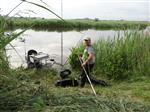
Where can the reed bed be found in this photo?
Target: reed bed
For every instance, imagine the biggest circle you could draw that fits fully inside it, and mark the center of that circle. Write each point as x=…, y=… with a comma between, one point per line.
x=75, y=24
x=123, y=57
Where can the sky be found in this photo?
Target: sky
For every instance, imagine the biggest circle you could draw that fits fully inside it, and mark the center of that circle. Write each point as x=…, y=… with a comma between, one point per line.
x=137, y=10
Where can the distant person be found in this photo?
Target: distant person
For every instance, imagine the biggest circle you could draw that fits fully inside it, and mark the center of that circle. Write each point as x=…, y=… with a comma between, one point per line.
x=88, y=59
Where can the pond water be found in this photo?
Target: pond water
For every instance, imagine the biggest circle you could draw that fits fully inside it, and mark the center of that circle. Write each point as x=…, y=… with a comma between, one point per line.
x=50, y=43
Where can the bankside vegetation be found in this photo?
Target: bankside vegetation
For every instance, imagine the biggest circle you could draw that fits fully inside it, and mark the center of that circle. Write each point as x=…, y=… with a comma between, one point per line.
x=33, y=90
x=122, y=57
x=74, y=24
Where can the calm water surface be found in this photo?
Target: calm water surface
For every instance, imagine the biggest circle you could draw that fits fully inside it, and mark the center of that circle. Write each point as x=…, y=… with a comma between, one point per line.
x=50, y=43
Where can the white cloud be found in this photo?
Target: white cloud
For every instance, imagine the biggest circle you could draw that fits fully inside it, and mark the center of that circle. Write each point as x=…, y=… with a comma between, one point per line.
x=104, y=9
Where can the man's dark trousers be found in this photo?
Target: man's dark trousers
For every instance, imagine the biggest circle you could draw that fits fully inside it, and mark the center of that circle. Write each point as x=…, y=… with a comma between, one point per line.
x=88, y=68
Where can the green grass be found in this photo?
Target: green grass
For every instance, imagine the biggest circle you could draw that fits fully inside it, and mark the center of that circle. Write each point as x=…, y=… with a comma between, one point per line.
x=32, y=90
x=74, y=24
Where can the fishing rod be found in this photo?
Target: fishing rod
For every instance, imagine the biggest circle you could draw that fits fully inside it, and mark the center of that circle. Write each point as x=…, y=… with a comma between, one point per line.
x=49, y=11
x=60, y=17
x=62, y=34
x=87, y=77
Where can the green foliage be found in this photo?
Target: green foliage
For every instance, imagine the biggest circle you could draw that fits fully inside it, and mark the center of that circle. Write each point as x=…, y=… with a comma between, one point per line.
x=74, y=24
x=4, y=41
x=73, y=58
x=23, y=89
x=38, y=104
x=122, y=57
x=88, y=103
x=21, y=92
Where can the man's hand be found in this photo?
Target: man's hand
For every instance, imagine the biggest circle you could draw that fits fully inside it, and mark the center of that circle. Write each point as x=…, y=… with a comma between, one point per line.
x=89, y=58
x=80, y=55
x=84, y=63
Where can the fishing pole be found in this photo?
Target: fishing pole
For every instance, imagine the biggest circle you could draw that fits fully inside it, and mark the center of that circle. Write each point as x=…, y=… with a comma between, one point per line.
x=49, y=11
x=87, y=77
x=62, y=37
x=60, y=17
x=62, y=34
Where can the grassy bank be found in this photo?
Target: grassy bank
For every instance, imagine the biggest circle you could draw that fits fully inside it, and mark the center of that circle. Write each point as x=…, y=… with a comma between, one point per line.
x=75, y=24
x=32, y=90
x=122, y=58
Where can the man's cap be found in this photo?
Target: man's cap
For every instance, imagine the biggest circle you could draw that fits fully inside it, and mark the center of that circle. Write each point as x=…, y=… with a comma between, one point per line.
x=87, y=38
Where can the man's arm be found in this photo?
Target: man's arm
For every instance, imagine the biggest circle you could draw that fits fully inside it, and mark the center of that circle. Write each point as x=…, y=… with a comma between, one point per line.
x=90, y=56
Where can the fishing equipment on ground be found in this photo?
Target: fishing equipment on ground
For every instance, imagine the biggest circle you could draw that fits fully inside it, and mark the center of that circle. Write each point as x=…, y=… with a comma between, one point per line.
x=38, y=60
x=66, y=81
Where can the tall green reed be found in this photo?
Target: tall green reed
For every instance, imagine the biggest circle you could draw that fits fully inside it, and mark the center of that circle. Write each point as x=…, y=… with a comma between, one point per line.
x=120, y=58
x=4, y=41
x=41, y=23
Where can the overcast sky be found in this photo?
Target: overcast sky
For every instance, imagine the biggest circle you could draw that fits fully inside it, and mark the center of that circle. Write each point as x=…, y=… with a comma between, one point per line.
x=102, y=9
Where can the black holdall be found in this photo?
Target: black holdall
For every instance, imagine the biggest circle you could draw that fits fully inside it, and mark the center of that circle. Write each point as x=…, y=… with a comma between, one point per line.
x=65, y=80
